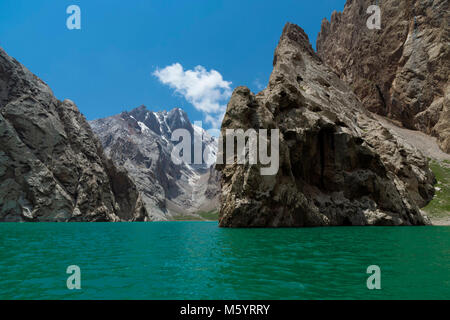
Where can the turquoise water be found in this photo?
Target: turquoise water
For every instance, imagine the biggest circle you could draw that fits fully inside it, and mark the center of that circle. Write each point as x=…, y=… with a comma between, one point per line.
x=198, y=260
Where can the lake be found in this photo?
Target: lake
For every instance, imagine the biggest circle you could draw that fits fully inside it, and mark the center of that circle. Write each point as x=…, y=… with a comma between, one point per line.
x=198, y=260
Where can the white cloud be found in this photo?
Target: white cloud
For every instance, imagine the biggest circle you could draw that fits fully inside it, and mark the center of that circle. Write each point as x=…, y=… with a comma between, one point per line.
x=205, y=90
x=216, y=120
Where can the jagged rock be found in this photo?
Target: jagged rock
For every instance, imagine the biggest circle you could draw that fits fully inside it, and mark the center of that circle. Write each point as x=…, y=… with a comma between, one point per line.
x=338, y=165
x=400, y=71
x=52, y=168
x=140, y=141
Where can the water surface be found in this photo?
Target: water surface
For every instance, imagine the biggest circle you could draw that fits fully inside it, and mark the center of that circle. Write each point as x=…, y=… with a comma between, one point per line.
x=198, y=260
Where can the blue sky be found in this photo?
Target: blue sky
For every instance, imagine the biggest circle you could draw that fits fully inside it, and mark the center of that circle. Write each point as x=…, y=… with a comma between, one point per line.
x=112, y=63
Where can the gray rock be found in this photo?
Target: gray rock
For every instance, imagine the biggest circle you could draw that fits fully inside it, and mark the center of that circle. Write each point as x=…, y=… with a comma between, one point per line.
x=140, y=141
x=400, y=71
x=338, y=164
x=52, y=168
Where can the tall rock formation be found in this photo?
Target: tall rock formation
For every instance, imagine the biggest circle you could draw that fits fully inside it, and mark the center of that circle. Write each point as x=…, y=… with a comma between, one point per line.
x=338, y=165
x=400, y=71
x=140, y=141
x=52, y=168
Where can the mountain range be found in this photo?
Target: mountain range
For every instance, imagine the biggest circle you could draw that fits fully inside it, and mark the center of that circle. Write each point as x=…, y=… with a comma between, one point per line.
x=140, y=141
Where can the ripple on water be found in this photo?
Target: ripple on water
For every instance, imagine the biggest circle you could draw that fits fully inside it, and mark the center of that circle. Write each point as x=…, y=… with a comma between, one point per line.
x=198, y=260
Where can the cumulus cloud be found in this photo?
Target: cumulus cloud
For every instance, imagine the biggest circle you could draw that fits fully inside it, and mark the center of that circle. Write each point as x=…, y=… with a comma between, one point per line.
x=206, y=90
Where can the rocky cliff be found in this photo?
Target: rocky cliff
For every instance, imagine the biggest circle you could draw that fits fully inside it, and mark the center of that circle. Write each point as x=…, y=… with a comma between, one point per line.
x=401, y=70
x=52, y=168
x=338, y=164
x=140, y=141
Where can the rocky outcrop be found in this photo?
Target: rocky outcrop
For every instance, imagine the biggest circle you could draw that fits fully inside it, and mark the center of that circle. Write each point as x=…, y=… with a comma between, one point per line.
x=401, y=70
x=140, y=141
x=52, y=168
x=338, y=164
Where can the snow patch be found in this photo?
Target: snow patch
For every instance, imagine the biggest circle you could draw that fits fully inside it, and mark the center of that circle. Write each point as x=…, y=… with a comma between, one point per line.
x=144, y=128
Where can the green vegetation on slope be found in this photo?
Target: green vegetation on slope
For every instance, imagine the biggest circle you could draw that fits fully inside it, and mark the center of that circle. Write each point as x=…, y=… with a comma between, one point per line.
x=211, y=215
x=439, y=207
x=201, y=216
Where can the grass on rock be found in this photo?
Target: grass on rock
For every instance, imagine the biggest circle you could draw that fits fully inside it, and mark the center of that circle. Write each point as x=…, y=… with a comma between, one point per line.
x=439, y=207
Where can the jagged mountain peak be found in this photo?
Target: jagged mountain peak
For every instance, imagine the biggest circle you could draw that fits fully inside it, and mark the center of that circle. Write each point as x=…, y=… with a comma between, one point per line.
x=294, y=33
x=177, y=118
x=139, y=112
x=140, y=140
x=160, y=122
x=337, y=165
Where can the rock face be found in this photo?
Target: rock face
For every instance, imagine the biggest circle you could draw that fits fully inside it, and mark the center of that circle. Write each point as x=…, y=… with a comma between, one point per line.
x=52, y=168
x=400, y=71
x=338, y=165
x=140, y=141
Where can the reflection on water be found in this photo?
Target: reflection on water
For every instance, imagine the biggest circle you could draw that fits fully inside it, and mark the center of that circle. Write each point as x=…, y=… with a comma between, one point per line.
x=198, y=260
